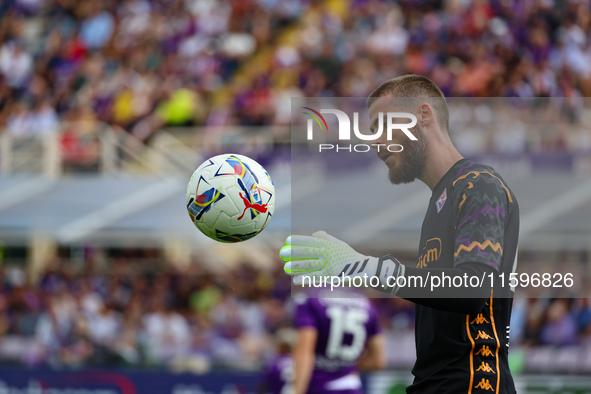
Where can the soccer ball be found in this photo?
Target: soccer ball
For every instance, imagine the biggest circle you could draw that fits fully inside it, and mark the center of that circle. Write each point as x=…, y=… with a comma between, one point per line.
x=230, y=198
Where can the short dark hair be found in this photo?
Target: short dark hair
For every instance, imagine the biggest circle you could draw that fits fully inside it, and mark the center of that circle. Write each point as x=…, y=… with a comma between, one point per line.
x=414, y=86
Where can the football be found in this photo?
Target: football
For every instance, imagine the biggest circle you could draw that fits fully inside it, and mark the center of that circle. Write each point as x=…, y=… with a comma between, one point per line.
x=230, y=198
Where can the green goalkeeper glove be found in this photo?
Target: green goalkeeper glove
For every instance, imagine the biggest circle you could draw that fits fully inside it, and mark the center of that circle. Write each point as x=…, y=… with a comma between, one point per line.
x=323, y=255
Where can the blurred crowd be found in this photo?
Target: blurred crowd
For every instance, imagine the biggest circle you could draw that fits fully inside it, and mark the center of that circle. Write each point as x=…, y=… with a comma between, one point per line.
x=138, y=64
x=145, y=64
x=133, y=313
x=129, y=315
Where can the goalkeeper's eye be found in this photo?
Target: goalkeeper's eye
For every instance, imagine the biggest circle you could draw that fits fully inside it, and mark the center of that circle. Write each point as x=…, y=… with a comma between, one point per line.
x=373, y=130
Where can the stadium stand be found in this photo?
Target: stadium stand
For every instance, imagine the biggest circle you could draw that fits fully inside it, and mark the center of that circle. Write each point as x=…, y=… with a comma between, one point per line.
x=78, y=73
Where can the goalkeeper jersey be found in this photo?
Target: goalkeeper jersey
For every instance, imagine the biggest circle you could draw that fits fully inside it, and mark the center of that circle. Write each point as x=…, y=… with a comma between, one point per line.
x=472, y=217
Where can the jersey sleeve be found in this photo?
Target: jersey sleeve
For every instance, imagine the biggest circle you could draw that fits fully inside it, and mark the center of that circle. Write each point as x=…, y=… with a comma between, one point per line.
x=269, y=373
x=373, y=327
x=304, y=314
x=483, y=208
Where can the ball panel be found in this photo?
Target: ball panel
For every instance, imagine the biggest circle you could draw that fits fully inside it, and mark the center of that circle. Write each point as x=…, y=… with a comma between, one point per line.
x=226, y=231
x=205, y=230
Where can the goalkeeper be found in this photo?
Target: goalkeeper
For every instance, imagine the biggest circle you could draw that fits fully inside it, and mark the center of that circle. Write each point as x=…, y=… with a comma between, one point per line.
x=470, y=231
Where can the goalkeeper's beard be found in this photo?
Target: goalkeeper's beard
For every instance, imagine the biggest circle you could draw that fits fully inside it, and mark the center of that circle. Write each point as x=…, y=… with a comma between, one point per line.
x=411, y=161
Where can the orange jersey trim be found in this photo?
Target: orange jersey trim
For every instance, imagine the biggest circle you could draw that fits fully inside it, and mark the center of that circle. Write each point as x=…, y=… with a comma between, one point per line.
x=492, y=320
x=477, y=173
x=496, y=247
x=471, y=354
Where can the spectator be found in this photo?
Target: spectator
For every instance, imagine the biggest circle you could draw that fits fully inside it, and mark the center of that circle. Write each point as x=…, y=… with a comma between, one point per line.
x=96, y=30
x=15, y=64
x=43, y=119
x=19, y=119
x=167, y=333
x=560, y=328
x=104, y=326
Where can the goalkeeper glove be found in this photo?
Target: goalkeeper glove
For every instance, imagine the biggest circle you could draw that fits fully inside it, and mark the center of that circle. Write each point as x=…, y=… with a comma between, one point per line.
x=323, y=255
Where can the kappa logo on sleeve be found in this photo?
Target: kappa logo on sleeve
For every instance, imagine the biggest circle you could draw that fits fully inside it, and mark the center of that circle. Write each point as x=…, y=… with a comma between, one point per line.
x=479, y=319
x=484, y=351
x=482, y=335
x=485, y=367
x=484, y=384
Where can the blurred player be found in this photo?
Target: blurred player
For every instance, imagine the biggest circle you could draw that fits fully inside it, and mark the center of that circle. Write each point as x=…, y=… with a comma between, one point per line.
x=278, y=377
x=335, y=337
x=469, y=233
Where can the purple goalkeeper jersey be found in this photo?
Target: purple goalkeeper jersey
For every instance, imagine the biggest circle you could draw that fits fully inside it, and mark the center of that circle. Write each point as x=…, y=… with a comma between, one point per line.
x=344, y=326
